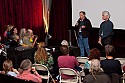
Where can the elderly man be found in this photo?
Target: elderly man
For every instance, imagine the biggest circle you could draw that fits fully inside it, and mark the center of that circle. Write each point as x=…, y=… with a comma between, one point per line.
x=106, y=29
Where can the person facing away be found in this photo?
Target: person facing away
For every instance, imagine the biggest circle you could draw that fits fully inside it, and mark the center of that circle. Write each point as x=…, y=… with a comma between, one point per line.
x=8, y=68
x=83, y=27
x=106, y=30
x=94, y=54
x=43, y=57
x=96, y=74
x=66, y=61
x=25, y=72
x=110, y=65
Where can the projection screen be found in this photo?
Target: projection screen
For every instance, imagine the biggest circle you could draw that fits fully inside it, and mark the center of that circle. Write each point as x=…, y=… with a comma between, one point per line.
x=94, y=8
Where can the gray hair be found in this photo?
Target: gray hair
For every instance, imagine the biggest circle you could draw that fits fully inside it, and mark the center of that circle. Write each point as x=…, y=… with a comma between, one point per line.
x=106, y=13
x=22, y=32
x=25, y=65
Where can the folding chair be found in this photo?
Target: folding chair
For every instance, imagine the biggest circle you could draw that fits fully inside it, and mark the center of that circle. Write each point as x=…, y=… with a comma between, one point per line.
x=81, y=76
x=82, y=61
x=69, y=72
x=123, y=78
x=43, y=68
x=122, y=60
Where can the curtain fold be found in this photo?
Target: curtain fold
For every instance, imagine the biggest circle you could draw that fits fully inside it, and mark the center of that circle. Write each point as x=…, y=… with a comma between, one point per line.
x=22, y=13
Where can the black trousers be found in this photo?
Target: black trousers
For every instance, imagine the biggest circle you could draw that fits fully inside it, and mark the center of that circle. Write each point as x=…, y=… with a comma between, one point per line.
x=107, y=41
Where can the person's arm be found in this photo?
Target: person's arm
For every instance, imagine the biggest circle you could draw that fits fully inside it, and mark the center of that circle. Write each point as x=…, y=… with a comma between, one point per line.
x=14, y=70
x=37, y=75
x=100, y=41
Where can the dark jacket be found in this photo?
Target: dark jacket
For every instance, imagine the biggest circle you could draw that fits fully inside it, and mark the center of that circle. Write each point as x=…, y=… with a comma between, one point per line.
x=111, y=66
x=85, y=31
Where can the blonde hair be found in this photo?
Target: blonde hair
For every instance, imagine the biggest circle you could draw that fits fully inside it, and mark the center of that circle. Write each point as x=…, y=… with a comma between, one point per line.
x=22, y=34
x=41, y=53
x=95, y=67
x=7, y=65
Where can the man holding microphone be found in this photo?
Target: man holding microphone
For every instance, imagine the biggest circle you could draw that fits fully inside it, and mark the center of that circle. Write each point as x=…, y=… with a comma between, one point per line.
x=83, y=27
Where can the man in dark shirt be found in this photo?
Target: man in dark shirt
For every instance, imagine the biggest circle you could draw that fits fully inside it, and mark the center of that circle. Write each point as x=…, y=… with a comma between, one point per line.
x=106, y=29
x=110, y=65
x=83, y=27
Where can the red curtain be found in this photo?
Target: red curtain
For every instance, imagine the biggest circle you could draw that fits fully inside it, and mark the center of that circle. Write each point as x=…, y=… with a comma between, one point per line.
x=22, y=13
x=60, y=20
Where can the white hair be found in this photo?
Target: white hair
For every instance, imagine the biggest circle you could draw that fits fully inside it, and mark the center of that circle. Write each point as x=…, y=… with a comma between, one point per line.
x=64, y=42
x=106, y=13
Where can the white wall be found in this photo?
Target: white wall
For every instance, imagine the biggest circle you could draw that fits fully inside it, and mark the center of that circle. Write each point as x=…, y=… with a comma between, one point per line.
x=94, y=8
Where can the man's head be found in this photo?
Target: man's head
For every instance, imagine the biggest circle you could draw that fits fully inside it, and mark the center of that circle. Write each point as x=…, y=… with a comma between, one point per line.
x=109, y=50
x=105, y=15
x=82, y=14
x=64, y=49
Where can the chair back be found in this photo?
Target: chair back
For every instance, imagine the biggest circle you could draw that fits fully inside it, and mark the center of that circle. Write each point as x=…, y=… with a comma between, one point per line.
x=82, y=60
x=40, y=67
x=115, y=78
x=69, y=72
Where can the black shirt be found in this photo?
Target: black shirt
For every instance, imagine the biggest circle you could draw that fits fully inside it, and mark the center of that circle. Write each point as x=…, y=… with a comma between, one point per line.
x=111, y=66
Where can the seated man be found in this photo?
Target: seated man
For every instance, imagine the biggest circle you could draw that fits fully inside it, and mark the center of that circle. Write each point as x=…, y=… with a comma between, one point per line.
x=66, y=61
x=109, y=65
x=25, y=72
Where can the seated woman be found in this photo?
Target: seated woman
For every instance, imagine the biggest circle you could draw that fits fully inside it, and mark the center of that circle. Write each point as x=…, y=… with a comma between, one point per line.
x=21, y=35
x=29, y=39
x=8, y=68
x=43, y=57
x=94, y=54
x=25, y=72
x=96, y=74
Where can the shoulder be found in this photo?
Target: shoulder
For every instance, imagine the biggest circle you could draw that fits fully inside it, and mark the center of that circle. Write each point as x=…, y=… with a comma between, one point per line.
x=87, y=20
x=110, y=22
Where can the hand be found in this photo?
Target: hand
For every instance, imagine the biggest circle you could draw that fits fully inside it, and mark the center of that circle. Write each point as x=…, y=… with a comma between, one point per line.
x=77, y=24
x=100, y=43
x=83, y=26
x=33, y=69
x=14, y=70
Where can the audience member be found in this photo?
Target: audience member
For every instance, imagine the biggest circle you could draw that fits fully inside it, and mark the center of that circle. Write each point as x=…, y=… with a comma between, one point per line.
x=7, y=34
x=96, y=74
x=22, y=34
x=29, y=39
x=13, y=32
x=7, y=31
x=110, y=65
x=8, y=68
x=66, y=61
x=25, y=72
x=43, y=57
x=64, y=42
x=94, y=54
